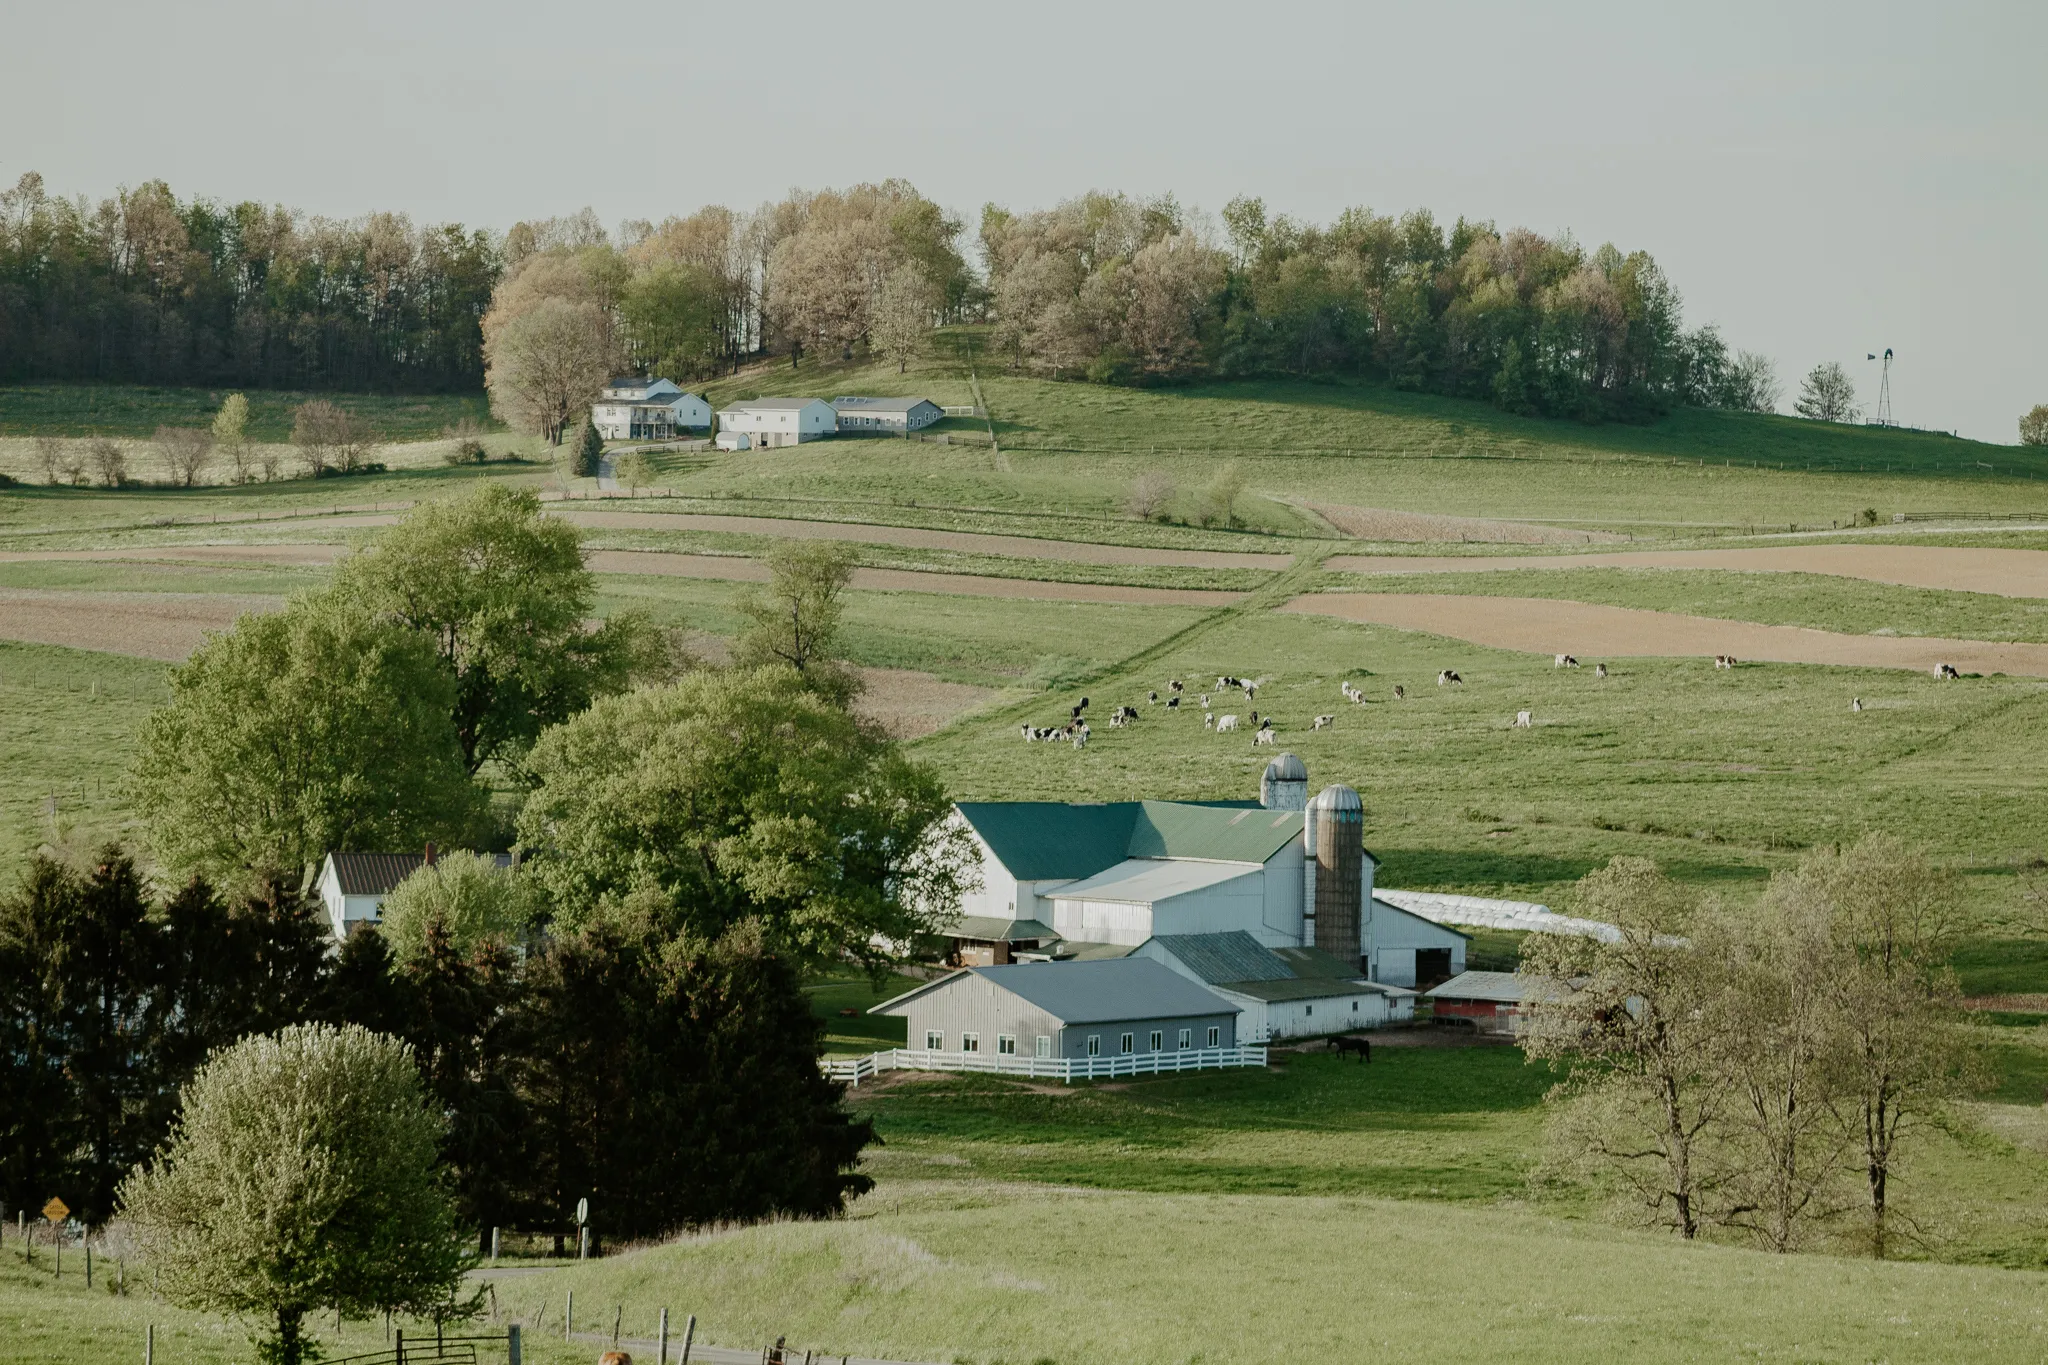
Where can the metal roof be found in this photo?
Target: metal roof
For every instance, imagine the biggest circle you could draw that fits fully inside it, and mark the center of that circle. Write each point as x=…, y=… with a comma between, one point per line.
x=1311, y=988
x=995, y=929
x=1314, y=962
x=1043, y=840
x=1506, y=988
x=1172, y=829
x=1145, y=881
x=882, y=404
x=1230, y=956
x=774, y=404
x=1388, y=907
x=1097, y=992
x=373, y=874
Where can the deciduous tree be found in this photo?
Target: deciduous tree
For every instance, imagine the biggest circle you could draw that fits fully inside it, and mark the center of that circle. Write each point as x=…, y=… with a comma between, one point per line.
x=187, y=451
x=1827, y=394
x=465, y=898
x=231, y=433
x=794, y=620
x=544, y=365
x=312, y=729
x=902, y=326
x=2034, y=426
x=301, y=1177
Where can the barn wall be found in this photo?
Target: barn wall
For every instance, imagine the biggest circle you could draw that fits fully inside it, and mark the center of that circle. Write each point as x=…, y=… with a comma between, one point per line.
x=973, y=1004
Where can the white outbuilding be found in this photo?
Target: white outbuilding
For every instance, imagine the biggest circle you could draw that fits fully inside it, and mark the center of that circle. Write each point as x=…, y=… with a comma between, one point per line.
x=886, y=416
x=767, y=422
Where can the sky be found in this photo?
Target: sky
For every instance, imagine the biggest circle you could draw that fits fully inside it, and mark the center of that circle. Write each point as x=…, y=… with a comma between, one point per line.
x=1822, y=181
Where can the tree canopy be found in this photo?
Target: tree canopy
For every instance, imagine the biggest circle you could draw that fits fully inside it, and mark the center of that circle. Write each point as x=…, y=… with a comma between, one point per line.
x=300, y=1176
x=740, y=795
x=315, y=728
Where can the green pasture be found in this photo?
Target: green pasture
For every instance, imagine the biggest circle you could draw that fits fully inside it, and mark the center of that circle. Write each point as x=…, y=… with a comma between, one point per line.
x=139, y=409
x=68, y=723
x=859, y=1032
x=1817, y=601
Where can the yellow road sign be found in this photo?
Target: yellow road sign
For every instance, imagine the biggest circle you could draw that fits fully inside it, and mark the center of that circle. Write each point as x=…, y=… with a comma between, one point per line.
x=56, y=1210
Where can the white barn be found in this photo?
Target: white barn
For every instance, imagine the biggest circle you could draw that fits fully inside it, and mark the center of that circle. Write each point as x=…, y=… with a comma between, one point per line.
x=1281, y=993
x=769, y=422
x=632, y=409
x=894, y=416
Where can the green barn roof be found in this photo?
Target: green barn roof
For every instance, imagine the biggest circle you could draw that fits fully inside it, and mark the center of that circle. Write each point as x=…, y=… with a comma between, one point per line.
x=1057, y=840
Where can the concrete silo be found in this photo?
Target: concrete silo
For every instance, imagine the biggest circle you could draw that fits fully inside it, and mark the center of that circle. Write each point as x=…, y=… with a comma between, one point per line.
x=1333, y=842
x=1284, y=785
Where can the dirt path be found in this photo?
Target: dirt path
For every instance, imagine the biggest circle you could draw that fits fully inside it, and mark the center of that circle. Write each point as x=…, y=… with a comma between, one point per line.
x=1541, y=626
x=1016, y=547
x=2007, y=573
x=153, y=625
x=910, y=704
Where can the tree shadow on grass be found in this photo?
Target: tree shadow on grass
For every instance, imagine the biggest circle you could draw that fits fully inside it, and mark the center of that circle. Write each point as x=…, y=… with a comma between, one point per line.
x=1419, y=869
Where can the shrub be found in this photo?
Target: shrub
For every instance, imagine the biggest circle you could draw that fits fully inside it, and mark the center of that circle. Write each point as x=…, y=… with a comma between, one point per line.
x=1149, y=495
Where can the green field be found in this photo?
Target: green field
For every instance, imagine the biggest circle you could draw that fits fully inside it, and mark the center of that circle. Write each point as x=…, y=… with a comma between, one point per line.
x=139, y=409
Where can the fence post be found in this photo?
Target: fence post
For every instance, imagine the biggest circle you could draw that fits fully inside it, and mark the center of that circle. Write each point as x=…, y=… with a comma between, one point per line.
x=661, y=1356
x=512, y=1344
x=88, y=1265
x=400, y=1354
x=689, y=1335
x=494, y=1244
x=569, y=1315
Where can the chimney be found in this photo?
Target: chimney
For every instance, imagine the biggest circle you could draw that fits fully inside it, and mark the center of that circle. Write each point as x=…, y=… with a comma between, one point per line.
x=430, y=853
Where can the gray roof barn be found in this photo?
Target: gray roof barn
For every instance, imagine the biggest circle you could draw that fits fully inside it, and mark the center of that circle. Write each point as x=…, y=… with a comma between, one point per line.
x=1100, y=992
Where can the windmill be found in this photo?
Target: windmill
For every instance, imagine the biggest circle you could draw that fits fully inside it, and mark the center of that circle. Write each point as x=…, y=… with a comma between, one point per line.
x=1883, y=418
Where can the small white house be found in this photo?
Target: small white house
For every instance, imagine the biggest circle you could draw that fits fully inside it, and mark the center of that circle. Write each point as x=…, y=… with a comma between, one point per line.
x=647, y=409
x=768, y=422
x=353, y=886
x=891, y=416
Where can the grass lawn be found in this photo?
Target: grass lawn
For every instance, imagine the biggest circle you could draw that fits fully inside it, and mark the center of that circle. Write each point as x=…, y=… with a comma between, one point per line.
x=68, y=722
x=859, y=1032
x=139, y=409
x=1819, y=601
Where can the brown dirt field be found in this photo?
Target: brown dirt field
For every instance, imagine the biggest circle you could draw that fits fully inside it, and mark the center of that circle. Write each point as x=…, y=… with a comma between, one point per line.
x=910, y=704
x=2013, y=1004
x=1018, y=547
x=2006, y=573
x=193, y=554
x=153, y=625
x=1541, y=626
x=1380, y=523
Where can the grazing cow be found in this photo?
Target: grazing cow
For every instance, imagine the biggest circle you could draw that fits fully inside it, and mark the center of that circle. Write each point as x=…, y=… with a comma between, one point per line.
x=1855, y=703
x=1343, y=1046
x=1522, y=720
x=1724, y=661
x=1208, y=721
x=1322, y=722
x=1173, y=703
x=1028, y=736
x=1946, y=672
x=1251, y=691
x=1225, y=682
x=1599, y=670
x=1175, y=687
x=1449, y=676
x=1226, y=723
x=1074, y=714
x=1565, y=661
x=1256, y=721
x=1081, y=736
x=1152, y=698
x=1205, y=701
x=1263, y=736
x=1399, y=691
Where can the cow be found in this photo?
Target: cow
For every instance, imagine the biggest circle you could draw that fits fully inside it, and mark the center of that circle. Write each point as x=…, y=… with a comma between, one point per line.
x=1449, y=676
x=1399, y=691
x=1323, y=722
x=1152, y=698
x=1565, y=661
x=1208, y=721
x=1173, y=703
x=1224, y=682
x=1264, y=736
x=1225, y=723
x=1205, y=701
x=1251, y=691
x=1946, y=672
x=1724, y=661
x=1081, y=736
x=1521, y=720
x=1175, y=687
x=1855, y=703
x=1265, y=724
x=1028, y=736
x=1599, y=670
x=1123, y=715
x=1342, y=1046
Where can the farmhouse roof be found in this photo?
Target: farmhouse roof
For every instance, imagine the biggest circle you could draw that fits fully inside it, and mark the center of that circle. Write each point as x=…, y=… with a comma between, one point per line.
x=1057, y=840
x=1230, y=956
x=1309, y=988
x=373, y=874
x=995, y=929
x=1144, y=881
x=881, y=404
x=1102, y=992
x=1503, y=988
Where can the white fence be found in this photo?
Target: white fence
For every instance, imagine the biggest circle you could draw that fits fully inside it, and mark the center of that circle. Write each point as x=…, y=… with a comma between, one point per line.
x=965, y=411
x=857, y=1069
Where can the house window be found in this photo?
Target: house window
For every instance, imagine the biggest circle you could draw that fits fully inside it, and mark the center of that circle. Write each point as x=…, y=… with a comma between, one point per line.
x=1215, y=1036
x=1006, y=1044
x=1094, y=1045
x=970, y=1042
x=1354, y=1007
x=1158, y=1039
x=1130, y=1043
x=934, y=1041
x=1309, y=1010
x=1045, y=1045
x=1186, y=1036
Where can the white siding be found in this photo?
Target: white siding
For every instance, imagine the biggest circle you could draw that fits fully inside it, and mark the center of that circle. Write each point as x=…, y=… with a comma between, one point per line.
x=1391, y=938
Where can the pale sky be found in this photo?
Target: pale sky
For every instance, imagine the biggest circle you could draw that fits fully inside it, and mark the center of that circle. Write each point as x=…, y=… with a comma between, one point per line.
x=1822, y=180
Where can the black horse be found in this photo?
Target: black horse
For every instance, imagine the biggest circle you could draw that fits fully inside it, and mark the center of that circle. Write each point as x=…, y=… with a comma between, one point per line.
x=1361, y=1046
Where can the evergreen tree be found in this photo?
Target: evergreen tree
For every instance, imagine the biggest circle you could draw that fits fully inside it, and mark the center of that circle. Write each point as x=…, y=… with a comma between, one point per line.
x=589, y=451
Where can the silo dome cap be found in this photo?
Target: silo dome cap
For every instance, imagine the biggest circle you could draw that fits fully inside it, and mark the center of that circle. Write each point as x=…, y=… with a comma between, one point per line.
x=1286, y=768
x=1337, y=797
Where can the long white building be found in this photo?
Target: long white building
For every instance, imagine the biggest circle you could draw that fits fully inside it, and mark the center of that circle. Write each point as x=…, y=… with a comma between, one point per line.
x=769, y=422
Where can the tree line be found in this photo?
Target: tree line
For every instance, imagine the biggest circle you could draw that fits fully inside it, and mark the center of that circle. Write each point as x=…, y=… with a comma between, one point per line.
x=143, y=287
x=1765, y=1071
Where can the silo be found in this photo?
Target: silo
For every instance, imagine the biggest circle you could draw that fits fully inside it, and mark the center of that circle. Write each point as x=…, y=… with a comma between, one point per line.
x=1284, y=785
x=1333, y=838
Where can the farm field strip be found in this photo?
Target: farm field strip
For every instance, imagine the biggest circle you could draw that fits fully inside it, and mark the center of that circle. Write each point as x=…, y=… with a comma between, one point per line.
x=153, y=625
x=1539, y=625
x=1954, y=568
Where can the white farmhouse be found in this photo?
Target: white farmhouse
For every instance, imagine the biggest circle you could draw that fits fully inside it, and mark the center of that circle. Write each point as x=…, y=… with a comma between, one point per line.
x=767, y=422
x=633, y=409
x=892, y=416
x=352, y=886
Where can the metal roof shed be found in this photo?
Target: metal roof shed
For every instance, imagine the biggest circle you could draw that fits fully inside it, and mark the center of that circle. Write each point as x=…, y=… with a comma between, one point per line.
x=1065, y=1009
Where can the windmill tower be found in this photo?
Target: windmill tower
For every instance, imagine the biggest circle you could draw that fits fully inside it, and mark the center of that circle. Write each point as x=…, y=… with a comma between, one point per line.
x=1883, y=417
